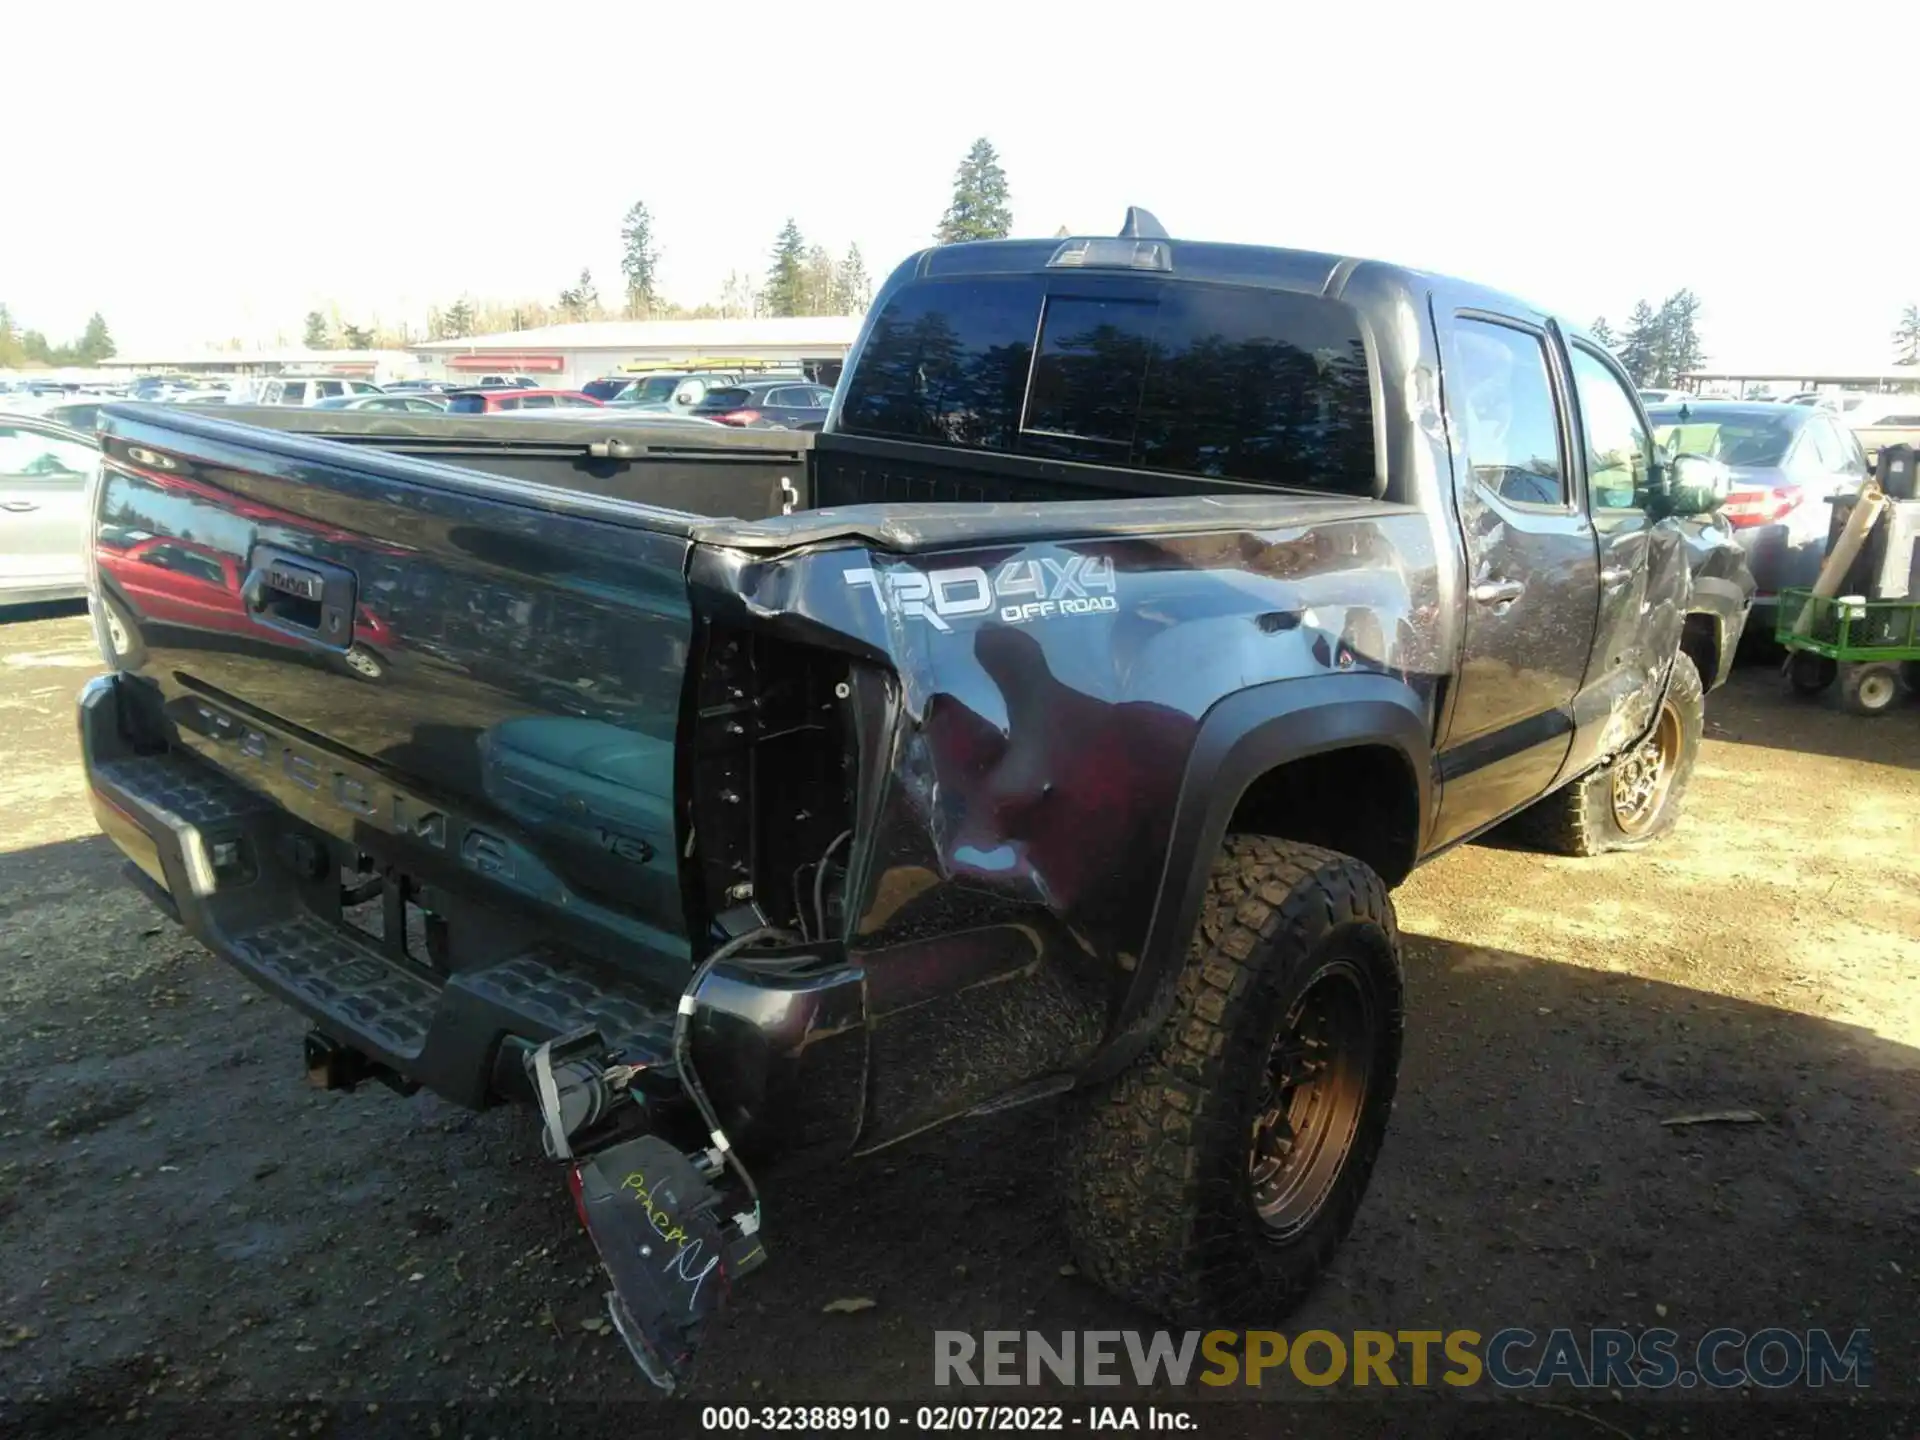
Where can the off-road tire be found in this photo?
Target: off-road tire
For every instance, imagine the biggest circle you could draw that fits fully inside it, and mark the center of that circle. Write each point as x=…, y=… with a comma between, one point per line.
x=1160, y=1201
x=1580, y=819
x=1869, y=689
x=1810, y=674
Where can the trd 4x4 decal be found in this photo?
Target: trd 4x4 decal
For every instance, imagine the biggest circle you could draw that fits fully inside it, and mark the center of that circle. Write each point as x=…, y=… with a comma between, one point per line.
x=1021, y=591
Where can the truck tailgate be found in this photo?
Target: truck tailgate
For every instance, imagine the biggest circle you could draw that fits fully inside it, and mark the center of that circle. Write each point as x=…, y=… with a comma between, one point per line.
x=462, y=676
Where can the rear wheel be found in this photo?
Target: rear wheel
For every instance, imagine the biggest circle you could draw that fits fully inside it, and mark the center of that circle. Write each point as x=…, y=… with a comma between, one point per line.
x=1870, y=689
x=1211, y=1182
x=1635, y=798
x=1809, y=673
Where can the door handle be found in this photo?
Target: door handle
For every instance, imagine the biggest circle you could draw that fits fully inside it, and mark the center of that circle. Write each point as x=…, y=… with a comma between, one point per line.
x=18, y=507
x=1497, y=592
x=1614, y=576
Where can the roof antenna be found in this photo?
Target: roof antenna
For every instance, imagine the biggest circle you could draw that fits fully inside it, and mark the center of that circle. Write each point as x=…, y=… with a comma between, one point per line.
x=1140, y=225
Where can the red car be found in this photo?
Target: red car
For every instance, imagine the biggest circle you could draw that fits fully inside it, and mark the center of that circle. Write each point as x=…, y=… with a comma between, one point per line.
x=182, y=582
x=494, y=402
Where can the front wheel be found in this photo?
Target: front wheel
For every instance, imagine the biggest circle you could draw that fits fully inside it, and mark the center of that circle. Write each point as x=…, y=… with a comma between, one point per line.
x=1635, y=797
x=1212, y=1181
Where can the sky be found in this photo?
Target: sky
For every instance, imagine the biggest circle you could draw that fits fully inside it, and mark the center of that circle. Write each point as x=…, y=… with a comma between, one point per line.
x=204, y=172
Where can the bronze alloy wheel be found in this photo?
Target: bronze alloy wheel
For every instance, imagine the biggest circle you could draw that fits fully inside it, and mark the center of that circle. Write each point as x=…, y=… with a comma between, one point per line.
x=1643, y=776
x=1311, y=1100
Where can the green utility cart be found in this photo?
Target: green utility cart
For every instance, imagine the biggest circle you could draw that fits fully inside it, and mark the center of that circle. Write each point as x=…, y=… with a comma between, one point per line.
x=1872, y=647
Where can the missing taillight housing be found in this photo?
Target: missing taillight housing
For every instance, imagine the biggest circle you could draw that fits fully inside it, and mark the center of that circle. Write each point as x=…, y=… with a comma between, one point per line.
x=1769, y=506
x=774, y=775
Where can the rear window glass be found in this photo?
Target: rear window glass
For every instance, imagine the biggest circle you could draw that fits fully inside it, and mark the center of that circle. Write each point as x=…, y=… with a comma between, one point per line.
x=726, y=399
x=604, y=389
x=467, y=404
x=1269, y=387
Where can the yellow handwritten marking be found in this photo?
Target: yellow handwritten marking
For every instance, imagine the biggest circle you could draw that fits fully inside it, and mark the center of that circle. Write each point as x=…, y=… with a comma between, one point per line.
x=660, y=1219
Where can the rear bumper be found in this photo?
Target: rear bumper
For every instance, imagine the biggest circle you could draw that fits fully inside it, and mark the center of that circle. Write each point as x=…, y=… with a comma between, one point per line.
x=781, y=1047
x=209, y=852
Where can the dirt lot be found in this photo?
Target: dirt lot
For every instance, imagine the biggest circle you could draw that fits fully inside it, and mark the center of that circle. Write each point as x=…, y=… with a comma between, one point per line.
x=181, y=1217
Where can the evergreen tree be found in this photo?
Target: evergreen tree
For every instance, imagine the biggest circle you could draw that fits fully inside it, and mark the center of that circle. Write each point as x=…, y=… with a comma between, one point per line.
x=851, y=288
x=1637, y=346
x=979, y=207
x=1678, y=351
x=12, y=357
x=638, y=262
x=353, y=337
x=817, y=276
x=457, y=323
x=1603, y=332
x=316, y=337
x=581, y=301
x=785, y=292
x=1906, y=337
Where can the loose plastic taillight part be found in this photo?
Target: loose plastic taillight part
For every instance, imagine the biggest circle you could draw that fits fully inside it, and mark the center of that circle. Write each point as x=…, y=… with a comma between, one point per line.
x=1746, y=508
x=739, y=417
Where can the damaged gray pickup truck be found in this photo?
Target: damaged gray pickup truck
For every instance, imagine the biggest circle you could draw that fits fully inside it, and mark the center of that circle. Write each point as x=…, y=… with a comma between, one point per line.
x=1056, y=720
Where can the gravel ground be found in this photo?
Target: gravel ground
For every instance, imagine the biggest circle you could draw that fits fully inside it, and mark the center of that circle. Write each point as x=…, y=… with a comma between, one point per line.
x=182, y=1219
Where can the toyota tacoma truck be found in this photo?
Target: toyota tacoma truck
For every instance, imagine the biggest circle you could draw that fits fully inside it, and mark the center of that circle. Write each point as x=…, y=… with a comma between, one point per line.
x=1055, y=722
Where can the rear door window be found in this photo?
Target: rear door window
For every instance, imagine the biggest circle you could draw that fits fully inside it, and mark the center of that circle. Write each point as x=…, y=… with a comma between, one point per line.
x=1265, y=386
x=467, y=405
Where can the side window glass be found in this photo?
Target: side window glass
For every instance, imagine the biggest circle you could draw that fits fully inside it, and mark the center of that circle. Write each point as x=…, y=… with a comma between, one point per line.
x=1619, y=449
x=1504, y=399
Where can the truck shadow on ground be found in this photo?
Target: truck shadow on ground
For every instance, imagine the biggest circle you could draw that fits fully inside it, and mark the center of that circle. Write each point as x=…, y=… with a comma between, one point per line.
x=181, y=1218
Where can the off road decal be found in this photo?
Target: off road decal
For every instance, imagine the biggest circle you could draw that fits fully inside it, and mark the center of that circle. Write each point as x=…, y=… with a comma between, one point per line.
x=1020, y=592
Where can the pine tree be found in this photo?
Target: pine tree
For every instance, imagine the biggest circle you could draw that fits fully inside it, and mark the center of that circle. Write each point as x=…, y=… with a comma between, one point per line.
x=1678, y=351
x=1602, y=332
x=1637, y=346
x=638, y=262
x=817, y=276
x=979, y=207
x=316, y=337
x=12, y=357
x=851, y=288
x=353, y=337
x=581, y=301
x=785, y=292
x=1906, y=337
x=457, y=323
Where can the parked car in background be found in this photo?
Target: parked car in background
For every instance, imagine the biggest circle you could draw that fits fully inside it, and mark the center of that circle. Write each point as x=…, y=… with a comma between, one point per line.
x=495, y=402
x=44, y=469
x=1781, y=463
x=1880, y=420
x=767, y=405
x=673, y=390
x=422, y=403
x=304, y=390
x=423, y=387
x=1663, y=397
x=504, y=382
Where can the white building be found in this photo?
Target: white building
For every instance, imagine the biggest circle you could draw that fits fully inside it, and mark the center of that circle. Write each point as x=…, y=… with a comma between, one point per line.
x=375, y=365
x=567, y=356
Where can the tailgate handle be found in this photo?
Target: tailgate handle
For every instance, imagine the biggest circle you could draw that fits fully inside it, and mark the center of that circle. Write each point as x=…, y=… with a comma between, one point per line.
x=615, y=450
x=301, y=596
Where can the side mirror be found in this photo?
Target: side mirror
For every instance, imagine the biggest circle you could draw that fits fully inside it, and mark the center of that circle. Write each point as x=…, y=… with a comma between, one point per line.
x=1697, y=485
x=690, y=396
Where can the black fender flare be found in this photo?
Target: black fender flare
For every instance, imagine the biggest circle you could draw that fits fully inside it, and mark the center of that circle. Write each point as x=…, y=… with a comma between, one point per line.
x=1241, y=738
x=1726, y=603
